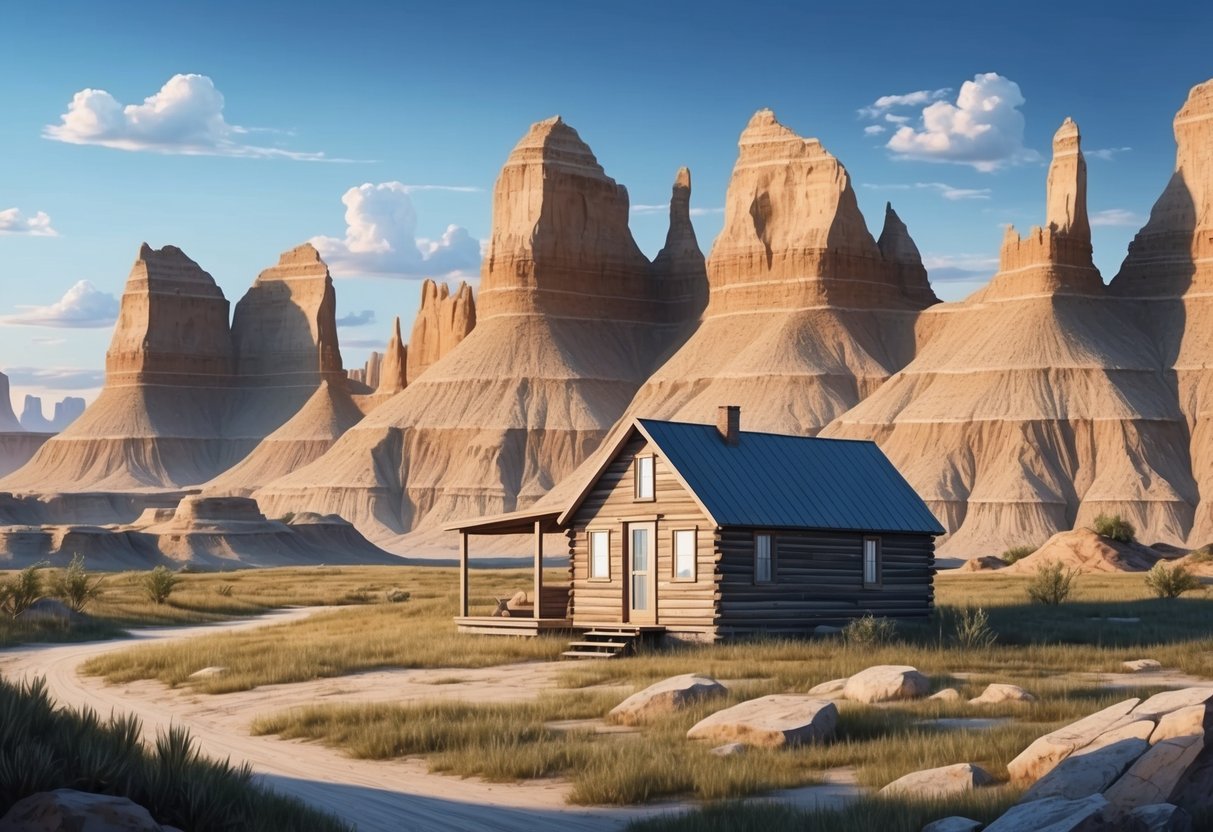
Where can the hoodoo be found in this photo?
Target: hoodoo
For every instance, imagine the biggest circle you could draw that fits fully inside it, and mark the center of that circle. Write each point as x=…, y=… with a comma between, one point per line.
x=1168, y=273
x=443, y=320
x=392, y=375
x=569, y=321
x=807, y=315
x=1037, y=401
x=679, y=267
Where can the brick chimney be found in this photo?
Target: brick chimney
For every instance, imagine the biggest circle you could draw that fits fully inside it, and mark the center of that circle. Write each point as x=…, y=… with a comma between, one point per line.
x=728, y=422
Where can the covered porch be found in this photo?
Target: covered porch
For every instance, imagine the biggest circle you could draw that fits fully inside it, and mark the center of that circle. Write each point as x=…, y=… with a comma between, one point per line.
x=546, y=608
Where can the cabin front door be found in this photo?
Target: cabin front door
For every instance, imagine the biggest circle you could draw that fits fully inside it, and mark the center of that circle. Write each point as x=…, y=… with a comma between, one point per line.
x=642, y=573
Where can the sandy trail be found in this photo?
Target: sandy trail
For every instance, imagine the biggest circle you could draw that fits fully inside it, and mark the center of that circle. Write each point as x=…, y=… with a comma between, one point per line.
x=374, y=795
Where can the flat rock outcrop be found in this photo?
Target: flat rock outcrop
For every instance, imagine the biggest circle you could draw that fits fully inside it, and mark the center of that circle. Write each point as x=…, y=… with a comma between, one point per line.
x=568, y=325
x=886, y=683
x=1167, y=279
x=1086, y=551
x=1039, y=398
x=945, y=781
x=443, y=320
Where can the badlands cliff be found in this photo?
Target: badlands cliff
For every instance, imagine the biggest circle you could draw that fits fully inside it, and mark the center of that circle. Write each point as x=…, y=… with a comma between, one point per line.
x=443, y=320
x=66, y=411
x=1038, y=403
x=8, y=419
x=570, y=320
x=807, y=314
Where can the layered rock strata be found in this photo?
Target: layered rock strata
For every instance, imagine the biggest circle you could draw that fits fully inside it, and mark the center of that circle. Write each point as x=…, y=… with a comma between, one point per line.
x=1038, y=403
x=569, y=321
x=443, y=320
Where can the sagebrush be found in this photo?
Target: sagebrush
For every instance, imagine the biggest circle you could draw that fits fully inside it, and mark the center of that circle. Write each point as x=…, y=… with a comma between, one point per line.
x=74, y=586
x=1051, y=584
x=1171, y=580
x=159, y=584
x=1114, y=527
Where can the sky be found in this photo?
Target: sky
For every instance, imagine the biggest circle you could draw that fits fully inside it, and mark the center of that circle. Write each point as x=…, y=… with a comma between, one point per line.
x=376, y=129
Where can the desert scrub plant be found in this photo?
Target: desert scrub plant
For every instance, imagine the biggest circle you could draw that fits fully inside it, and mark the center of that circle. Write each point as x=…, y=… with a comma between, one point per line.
x=1202, y=555
x=1115, y=528
x=869, y=631
x=1051, y=584
x=159, y=584
x=19, y=592
x=397, y=596
x=43, y=748
x=1016, y=553
x=971, y=629
x=1171, y=580
x=74, y=587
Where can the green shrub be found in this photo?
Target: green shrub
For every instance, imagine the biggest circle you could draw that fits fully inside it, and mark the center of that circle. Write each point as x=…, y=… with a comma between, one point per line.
x=159, y=584
x=1171, y=580
x=972, y=631
x=21, y=590
x=1051, y=584
x=1114, y=528
x=870, y=631
x=73, y=586
x=1016, y=553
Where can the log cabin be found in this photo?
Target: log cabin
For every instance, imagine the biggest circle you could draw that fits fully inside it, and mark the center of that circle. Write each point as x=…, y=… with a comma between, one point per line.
x=704, y=532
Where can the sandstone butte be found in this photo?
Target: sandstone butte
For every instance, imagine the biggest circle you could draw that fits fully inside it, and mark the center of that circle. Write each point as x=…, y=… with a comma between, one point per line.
x=1167, y=280
x=185, y=395
x=570, y=320
x=66, y=411
x=17, y=443
x=1036, y=403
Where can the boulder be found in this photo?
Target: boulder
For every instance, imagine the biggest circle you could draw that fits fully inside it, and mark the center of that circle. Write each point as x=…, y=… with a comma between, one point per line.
x=1092, y=769
x=1155, y=775
x=956, y=823
x=834, y=686
x=946, y=781
x=1039, y=758
x=1159, y=817
x=665, y=697
x=771, y=722
x=1185, y=722
x=995, y=693
x=946, y=695
x=66, y=810
x=1142, y=665
x=886, y=683
x=1172, y=700
x=1054, y=814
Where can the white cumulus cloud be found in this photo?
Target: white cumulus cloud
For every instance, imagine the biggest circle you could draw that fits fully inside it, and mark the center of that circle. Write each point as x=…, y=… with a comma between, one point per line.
x=1117, y=218
x=185, y=117
x=83, y=306
x=909, y=99
x=983, y=129
x=13, y=222
x=381, y=237
x=874, y=129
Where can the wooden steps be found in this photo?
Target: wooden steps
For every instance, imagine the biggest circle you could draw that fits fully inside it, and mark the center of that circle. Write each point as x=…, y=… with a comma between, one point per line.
x=606, y=642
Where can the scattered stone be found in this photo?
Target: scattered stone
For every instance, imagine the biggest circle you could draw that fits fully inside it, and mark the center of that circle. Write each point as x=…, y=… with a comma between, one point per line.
x=946, y=781
x=946, y=695
x=1142, y=665
x=1054, y=814
x=956, y=823
x=730, y=749
x=208, y=672
x=996, y=693
x=666, y=696
x=826, y=688
x=771, y=722
x=1095, y=767
x=1159, y=817
x=67, y=809
x=1039, y=758
x=886, y=683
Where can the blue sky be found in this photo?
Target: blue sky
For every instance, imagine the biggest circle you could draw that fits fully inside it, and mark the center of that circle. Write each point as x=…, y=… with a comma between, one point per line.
x=437, y=94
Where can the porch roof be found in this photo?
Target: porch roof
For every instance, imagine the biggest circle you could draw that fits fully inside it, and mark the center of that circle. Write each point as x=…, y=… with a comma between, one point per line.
x=515, y=522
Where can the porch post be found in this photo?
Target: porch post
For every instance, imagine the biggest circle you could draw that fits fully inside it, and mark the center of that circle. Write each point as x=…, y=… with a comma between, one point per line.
x=538, y=569
x=463, y=574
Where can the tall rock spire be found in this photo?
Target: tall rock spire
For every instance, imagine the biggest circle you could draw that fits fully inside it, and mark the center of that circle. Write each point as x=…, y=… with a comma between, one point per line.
x=899, y=250
x=679, y=266
x=1066, y=211
x=443, y=320
x=393, y=375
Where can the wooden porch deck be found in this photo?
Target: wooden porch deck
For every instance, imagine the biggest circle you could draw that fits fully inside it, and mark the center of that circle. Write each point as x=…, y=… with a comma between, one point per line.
x=490, y=625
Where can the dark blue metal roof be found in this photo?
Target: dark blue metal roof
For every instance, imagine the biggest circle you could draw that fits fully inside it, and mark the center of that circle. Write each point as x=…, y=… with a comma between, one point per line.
x=770, y=480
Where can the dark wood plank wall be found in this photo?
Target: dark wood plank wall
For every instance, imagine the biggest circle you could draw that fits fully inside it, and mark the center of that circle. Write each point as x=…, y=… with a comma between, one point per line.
x=819, y=579
x=681, y=605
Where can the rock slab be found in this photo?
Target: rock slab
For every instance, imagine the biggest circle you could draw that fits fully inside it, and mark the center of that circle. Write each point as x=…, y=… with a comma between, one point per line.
x=73, y=811
x=886, y=683
x=770, y=722
x=666, y=697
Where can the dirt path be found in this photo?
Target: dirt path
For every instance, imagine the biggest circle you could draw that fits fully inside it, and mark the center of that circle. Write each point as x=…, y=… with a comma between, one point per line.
x=375, y=795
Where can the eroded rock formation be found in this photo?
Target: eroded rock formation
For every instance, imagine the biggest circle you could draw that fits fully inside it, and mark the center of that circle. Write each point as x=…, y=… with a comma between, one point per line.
x=1037, y=404
x=443, y=320
x=8, y=419
x=393, y=377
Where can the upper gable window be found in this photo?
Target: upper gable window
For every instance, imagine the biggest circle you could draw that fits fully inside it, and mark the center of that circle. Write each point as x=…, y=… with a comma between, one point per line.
x=644, y=478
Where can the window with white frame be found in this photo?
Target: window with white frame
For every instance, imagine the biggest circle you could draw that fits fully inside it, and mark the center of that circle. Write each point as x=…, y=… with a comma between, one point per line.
x=764, y=559
x=644, y=478
x=684, y=554
x=871, y=561
x=600, y=555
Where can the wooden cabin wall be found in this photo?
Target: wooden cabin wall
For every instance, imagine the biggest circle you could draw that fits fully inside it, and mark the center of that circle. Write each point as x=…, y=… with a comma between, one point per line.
x=818, y=579
x=609, y=505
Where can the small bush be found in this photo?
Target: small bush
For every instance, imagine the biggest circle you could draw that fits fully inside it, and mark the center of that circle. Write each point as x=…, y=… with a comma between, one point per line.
x=1114, y=528
x=21, y=590
x=397, y=596
x=159, y=584
x=225, y=590
x=1016, y=553
x=971, y=629
x=1051, y=584
x=74, y=587
x=1171, y=580
x=870, y=631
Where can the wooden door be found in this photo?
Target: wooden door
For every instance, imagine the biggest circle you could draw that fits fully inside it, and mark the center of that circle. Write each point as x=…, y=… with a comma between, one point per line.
x=642, y=573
